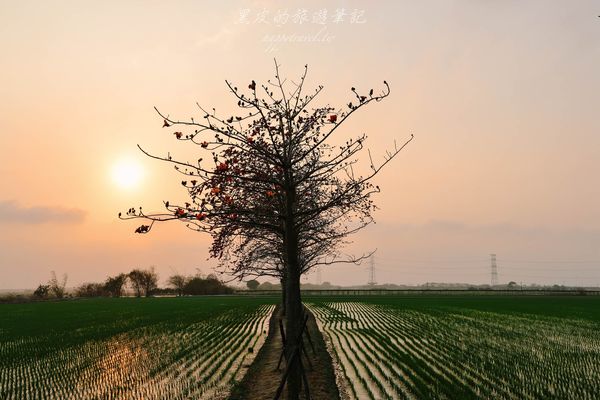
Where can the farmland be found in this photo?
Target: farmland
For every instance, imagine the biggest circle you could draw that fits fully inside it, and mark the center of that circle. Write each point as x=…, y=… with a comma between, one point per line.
x=384, y=347
x=156, y=348
x=432, y=347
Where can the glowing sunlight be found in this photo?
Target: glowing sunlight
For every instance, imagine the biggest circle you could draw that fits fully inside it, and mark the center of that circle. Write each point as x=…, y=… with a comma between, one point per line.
x=127, y=173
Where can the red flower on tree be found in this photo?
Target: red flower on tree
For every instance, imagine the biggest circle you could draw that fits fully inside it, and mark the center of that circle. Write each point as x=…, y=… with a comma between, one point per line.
x=180, y=213
x=178, y=135
x=204, y=144
x=200, y=216
x=332, y=118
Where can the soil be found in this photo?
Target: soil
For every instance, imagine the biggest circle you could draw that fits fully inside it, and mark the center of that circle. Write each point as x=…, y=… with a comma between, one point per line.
x=263, y=378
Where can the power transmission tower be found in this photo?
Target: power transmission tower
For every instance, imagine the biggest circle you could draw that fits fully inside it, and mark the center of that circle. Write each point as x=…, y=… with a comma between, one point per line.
x=372, y=271
x=494, y=270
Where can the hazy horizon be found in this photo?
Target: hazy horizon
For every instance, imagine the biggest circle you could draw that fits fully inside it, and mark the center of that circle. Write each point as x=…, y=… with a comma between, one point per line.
x=502, y=98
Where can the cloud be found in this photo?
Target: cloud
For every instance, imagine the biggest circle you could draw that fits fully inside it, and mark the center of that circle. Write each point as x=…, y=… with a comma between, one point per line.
x=11, y=212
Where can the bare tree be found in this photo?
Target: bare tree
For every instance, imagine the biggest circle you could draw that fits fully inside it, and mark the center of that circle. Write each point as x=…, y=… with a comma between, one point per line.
x=149, y=281
x=277, y=197
x=57, y=288
x=178, y=282
x=113, y=285
x=136, y=277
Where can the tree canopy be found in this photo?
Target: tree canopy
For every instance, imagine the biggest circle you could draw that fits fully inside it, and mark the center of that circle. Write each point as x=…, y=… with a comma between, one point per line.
x=270, y=165
x=271, y=188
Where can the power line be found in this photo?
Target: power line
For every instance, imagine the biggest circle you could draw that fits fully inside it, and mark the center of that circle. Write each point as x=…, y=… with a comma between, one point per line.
x=389, y=267
x=553, y=261
x=472, y=260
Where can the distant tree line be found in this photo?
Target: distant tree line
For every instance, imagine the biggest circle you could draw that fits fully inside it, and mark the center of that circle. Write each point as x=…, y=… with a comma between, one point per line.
x=142, y=282
x=197, y=285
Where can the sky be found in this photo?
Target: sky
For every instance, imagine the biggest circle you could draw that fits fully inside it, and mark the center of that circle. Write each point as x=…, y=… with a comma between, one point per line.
x=502, y=97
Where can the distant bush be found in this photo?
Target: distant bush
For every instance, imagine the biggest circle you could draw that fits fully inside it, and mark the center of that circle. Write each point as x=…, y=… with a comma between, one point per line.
x=16, y=298
x=164, y=292
x=41, y=292
x=253, y=284
x=210, y=285
x=269, y=286
x=90, y=290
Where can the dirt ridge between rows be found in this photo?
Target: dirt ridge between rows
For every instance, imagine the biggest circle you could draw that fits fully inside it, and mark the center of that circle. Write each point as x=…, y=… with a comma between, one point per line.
x=262, y=379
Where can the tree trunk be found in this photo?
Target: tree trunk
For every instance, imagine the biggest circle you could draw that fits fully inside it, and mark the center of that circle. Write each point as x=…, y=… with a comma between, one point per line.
x=294, y=317
x=293, y=301
x=294, y=312
x=283, y=281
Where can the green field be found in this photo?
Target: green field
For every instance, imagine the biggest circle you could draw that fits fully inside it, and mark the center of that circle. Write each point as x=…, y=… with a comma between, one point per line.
x=448, y=347
x=155, y=348
x=423, y=347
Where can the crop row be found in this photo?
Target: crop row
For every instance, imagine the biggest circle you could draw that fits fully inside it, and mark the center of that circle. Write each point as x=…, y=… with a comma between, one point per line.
x=387, y=352
x=161, y=361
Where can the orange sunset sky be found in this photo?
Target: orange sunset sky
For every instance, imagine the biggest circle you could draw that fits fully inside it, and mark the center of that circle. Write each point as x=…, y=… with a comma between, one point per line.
x=502, y=96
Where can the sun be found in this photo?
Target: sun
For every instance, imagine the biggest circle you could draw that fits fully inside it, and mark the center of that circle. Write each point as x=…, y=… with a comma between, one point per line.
x=127, y=174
